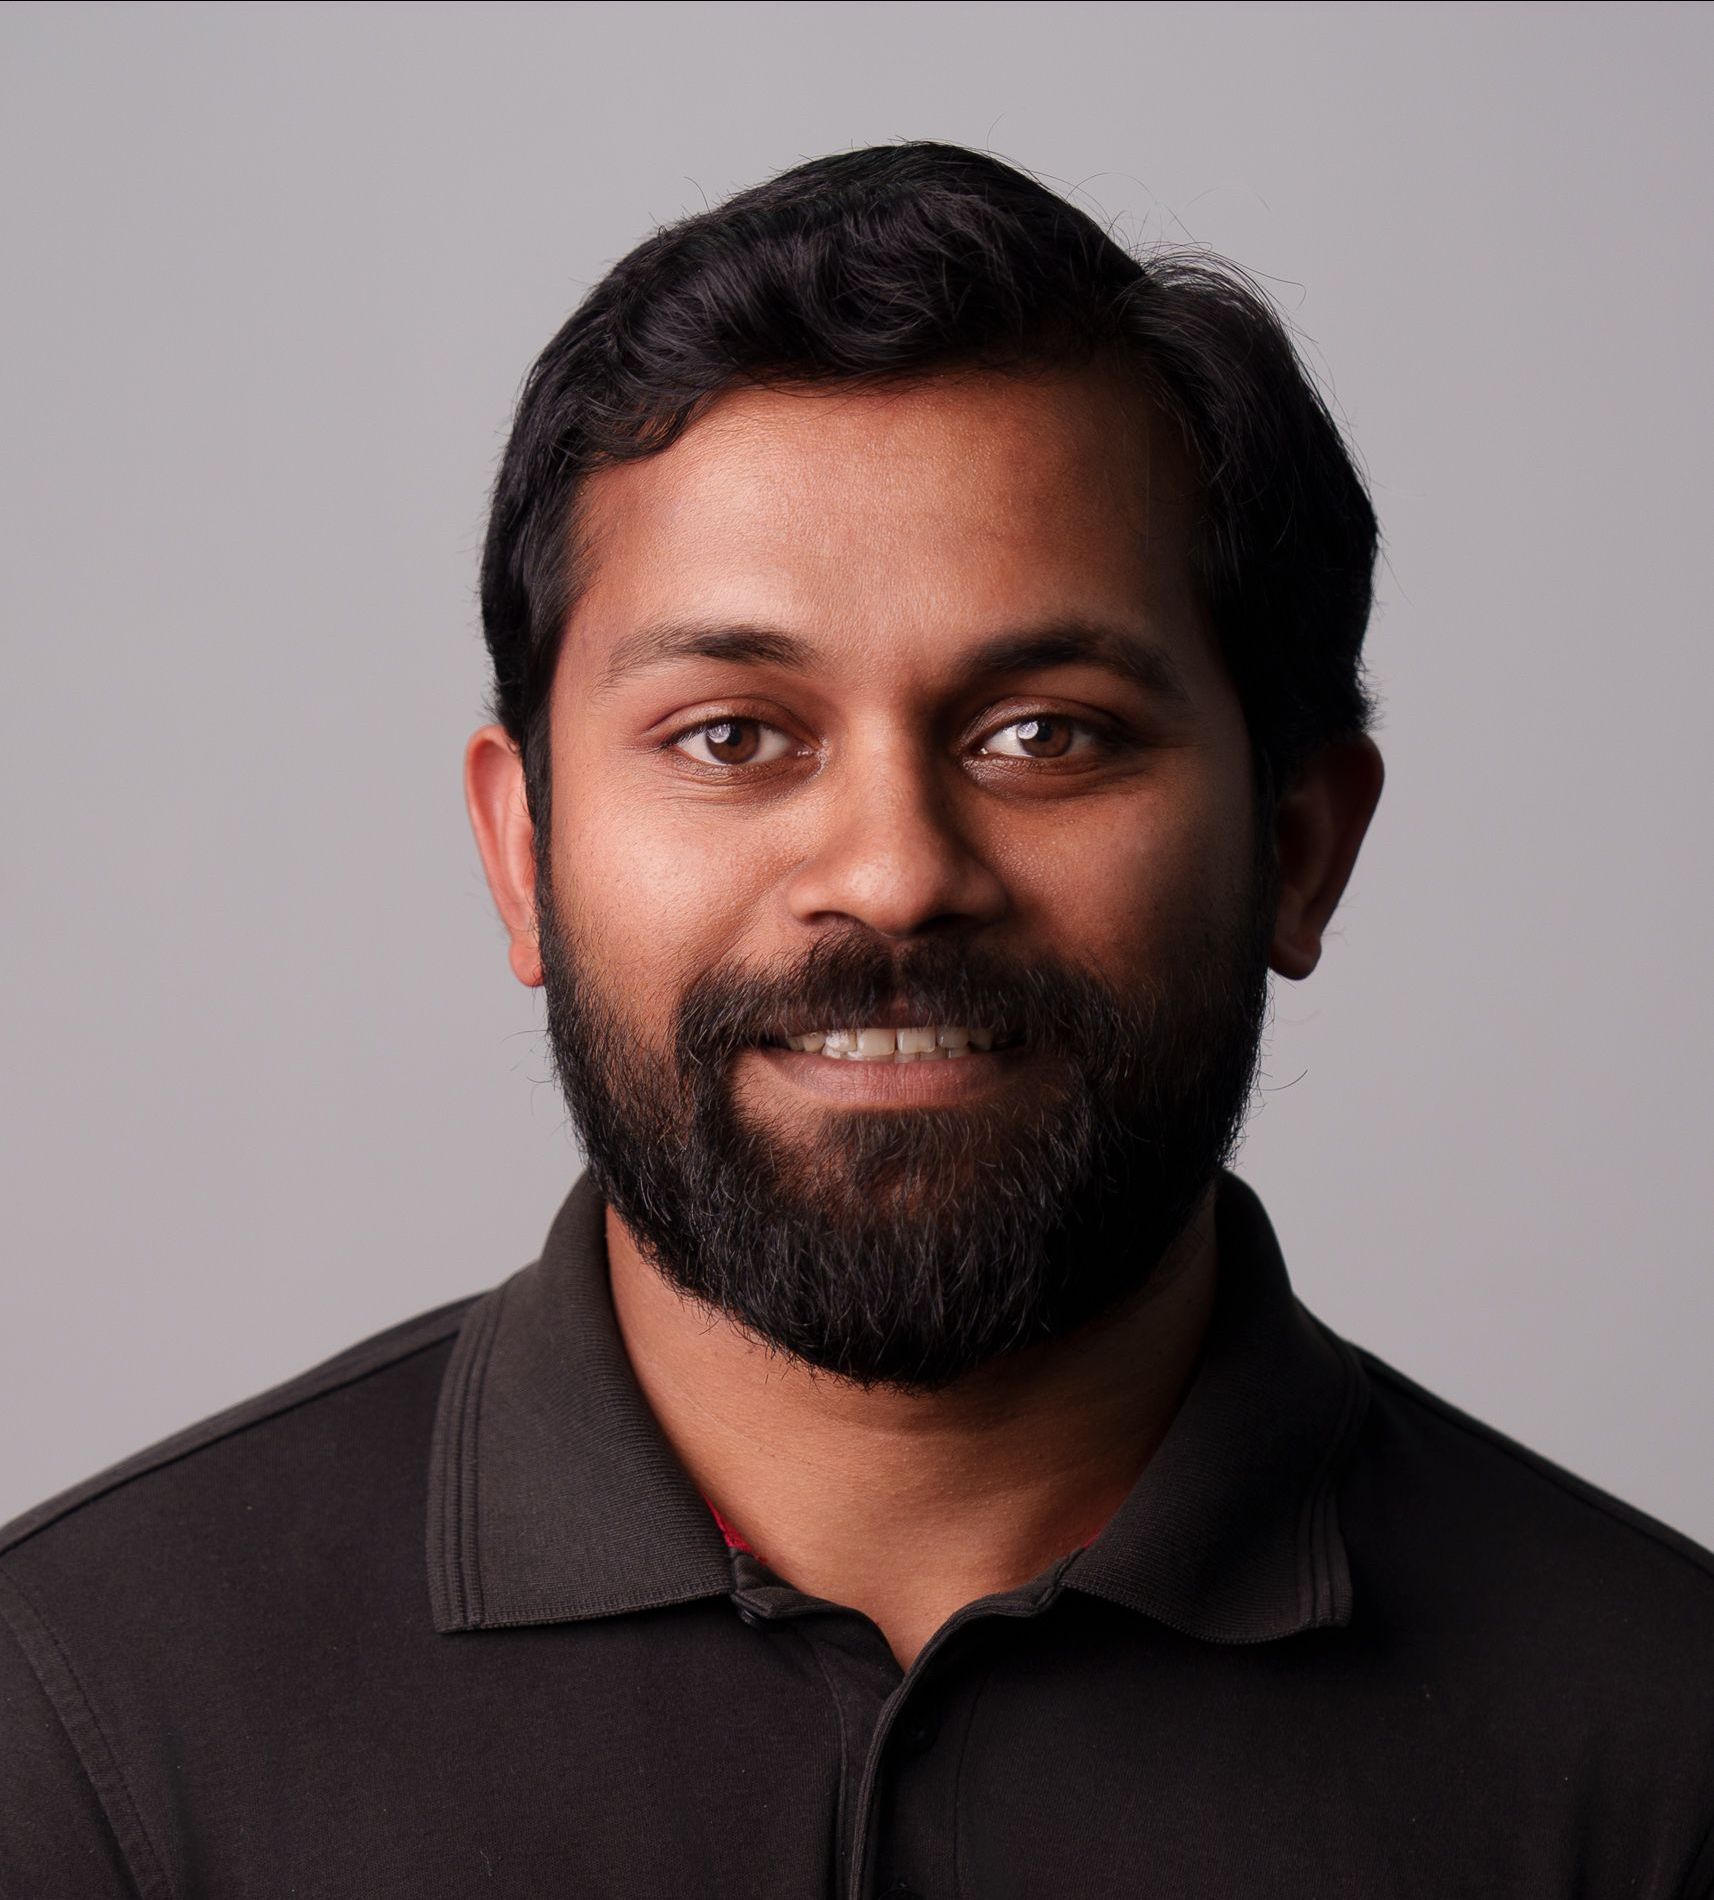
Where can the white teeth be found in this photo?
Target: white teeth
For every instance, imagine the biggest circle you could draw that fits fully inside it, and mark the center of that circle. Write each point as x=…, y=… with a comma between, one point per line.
x=922, y=1043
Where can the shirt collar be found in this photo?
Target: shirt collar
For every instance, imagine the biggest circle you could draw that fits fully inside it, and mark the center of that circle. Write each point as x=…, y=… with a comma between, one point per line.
x=1232, y=1533
x=554, y=1496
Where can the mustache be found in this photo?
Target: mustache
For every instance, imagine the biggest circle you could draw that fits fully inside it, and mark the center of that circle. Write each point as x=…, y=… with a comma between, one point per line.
x=840, y=981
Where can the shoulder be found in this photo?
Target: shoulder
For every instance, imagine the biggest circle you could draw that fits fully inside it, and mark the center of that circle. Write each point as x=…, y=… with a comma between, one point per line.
x=1482, y=1520
x=1531, y=1622
x=341, y=1428
x=236, y=1551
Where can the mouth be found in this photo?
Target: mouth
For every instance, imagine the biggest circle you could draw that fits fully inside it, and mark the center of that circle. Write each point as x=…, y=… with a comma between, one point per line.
x=881, y=1043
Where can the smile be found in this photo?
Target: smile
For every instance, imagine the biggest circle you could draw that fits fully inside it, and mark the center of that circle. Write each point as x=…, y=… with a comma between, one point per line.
x=945, y=1042
x=850, y=1075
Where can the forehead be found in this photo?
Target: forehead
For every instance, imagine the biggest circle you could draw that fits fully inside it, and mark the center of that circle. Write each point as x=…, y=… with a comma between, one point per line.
x=911, y=517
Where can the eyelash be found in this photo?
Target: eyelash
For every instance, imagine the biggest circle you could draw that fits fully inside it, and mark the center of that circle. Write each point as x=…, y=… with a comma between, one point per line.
x=1106, y=740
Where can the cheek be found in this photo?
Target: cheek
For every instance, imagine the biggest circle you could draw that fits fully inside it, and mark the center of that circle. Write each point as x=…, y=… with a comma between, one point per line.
x=656, y=892
x=1133, y=892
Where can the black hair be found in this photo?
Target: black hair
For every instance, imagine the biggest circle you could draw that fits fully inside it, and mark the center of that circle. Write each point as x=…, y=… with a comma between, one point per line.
x=887, y=264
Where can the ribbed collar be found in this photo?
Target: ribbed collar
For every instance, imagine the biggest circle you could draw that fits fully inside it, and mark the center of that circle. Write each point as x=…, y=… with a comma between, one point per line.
x=554, y=1497
x=1232, y=1531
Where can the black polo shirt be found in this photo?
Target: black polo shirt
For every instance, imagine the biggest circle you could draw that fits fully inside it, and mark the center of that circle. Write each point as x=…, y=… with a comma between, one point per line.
x=1340, y=1641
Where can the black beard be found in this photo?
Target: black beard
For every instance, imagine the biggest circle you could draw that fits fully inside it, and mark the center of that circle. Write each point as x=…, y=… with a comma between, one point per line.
x=905, y=1247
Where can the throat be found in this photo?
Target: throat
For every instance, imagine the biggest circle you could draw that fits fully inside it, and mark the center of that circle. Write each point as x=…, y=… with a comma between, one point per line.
x=905, y=1505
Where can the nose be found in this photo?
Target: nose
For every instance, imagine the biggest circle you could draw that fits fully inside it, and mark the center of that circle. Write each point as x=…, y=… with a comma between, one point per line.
x=894, y=852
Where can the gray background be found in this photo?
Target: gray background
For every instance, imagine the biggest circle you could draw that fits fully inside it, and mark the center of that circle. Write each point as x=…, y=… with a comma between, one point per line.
x=273, y=276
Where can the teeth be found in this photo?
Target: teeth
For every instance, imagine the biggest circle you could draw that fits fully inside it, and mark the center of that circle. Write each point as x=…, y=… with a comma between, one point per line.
x=939, y=1043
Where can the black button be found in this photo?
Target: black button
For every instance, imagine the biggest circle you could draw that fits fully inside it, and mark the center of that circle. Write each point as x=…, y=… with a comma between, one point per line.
x=916, y=1733
x=900, y=1889
x=754, y=1618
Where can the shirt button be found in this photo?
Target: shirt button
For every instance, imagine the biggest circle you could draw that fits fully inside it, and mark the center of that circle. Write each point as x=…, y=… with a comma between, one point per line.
x=916, y=1734
x=754, y=1618
x=900, y=1889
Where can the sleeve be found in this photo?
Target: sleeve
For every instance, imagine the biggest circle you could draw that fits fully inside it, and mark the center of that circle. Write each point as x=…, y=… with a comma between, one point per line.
x=55, y=1839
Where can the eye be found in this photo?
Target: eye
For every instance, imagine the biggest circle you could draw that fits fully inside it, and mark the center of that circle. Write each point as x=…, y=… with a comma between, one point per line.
x=732, y=742
x=1040, y=736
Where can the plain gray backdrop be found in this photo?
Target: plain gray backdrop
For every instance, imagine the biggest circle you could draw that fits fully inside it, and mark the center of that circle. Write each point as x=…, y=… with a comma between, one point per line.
x=273, y=276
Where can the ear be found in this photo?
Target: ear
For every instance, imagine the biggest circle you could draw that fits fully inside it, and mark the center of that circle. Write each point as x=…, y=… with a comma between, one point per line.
x=500, y=818
x=1318, y=831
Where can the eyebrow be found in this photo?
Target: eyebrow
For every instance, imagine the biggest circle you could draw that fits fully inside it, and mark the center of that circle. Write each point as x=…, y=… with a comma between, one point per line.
x=1128, y=655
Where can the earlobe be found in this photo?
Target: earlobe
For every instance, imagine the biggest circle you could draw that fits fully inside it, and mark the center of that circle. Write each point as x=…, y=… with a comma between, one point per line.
x=526, y=960
x=505, y=837
x=1319, y=828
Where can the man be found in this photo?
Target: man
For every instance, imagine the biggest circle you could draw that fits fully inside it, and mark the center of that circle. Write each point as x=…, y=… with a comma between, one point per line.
x=928, y=705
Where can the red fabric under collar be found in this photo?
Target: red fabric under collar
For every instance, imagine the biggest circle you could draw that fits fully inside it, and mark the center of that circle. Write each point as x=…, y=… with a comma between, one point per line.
x=735, y=1539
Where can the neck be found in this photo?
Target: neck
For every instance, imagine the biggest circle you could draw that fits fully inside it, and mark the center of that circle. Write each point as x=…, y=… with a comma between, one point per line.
x=908, y=1506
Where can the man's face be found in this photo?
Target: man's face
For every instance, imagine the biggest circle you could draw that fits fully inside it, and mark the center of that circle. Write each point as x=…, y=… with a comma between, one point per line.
x=884, y=711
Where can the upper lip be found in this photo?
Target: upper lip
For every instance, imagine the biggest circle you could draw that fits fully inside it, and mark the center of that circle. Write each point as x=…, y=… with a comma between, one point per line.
x=887, y=1016
x=897, y=1016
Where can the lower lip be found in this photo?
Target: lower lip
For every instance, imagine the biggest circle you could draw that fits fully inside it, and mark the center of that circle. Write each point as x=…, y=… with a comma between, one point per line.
x=892, y=1084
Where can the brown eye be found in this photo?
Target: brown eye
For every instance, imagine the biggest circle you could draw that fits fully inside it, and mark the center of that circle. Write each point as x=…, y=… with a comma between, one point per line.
x=1041, y=736
x=1045, y=738
x=734, y=742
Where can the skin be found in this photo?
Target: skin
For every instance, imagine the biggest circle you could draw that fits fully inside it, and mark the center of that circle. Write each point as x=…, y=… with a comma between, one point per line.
x=891, y=534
